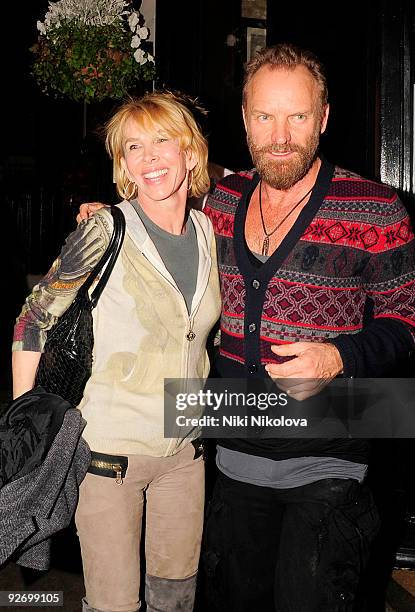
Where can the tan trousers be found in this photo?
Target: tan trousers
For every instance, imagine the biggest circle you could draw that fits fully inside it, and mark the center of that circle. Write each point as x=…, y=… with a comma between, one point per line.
x=109, y=521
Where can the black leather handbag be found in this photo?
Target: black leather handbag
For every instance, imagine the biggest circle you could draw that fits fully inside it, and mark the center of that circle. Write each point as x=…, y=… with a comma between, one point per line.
x=66, y=363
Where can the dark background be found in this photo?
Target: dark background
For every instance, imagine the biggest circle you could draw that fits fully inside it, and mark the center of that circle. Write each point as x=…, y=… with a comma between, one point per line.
x=47, y=168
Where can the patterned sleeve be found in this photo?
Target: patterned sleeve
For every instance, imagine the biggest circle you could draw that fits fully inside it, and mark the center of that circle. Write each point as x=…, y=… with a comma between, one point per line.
x=389, y=275
x=389, y=281
x=57, y=290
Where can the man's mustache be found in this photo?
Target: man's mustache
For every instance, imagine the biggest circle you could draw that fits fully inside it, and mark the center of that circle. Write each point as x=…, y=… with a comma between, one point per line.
x=276, y=148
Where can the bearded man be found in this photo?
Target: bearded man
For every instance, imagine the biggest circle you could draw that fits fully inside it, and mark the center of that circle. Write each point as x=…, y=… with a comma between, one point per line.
x=317, y=278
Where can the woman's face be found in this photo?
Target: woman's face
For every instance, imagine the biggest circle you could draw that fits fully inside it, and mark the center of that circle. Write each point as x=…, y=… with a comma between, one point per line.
x=155, y=163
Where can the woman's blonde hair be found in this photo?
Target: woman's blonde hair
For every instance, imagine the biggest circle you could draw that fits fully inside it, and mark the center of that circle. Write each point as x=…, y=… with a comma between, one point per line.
x=151, y=112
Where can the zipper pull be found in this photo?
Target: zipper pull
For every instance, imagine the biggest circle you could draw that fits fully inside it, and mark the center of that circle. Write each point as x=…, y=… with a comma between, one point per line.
x=118, y=473
x=190, y=335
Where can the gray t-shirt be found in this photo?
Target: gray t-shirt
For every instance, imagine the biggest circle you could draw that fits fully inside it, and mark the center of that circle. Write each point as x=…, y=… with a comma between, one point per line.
x=287, y=473
x=180, y=254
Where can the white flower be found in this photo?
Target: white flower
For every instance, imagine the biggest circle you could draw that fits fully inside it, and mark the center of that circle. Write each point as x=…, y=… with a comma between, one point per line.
x=89, y=12
x=139, y=57
x=40, y=26
x=143, y=32
x=133, y=21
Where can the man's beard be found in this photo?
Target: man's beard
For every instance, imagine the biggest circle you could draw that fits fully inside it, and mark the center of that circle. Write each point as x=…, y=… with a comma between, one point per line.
x=280, y=173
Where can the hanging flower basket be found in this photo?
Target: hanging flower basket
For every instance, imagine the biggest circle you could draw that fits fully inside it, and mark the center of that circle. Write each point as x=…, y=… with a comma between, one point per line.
x=89, y=50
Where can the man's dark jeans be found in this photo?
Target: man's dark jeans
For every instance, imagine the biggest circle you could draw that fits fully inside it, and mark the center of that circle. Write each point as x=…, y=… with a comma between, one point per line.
x=287, y=550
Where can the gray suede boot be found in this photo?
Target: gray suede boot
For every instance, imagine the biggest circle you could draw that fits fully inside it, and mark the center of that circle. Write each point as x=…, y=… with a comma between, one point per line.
x=167, y=595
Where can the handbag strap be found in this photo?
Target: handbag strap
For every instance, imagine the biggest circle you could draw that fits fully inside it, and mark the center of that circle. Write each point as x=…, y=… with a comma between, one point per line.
x=110, y=255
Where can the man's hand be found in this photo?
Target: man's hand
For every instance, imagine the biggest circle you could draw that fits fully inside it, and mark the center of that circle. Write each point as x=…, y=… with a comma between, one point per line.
x=87, y=210
x=314, y=365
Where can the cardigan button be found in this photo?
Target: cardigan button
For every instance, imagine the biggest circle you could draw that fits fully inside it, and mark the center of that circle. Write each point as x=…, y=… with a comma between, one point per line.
x=256, y=284
x=191, y=336
x=252, y=327
x=253, y=368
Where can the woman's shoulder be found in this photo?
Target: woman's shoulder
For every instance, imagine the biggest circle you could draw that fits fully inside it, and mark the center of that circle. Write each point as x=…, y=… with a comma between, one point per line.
x=104, y=222
x=86, y=244
x=199, y=217
x=100, y=225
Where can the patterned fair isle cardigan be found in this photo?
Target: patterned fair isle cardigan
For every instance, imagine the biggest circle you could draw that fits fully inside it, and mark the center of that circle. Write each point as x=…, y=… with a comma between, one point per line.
x=345, y=273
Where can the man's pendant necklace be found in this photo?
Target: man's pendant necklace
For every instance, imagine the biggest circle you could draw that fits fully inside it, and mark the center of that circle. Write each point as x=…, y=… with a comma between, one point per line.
x=265, y=244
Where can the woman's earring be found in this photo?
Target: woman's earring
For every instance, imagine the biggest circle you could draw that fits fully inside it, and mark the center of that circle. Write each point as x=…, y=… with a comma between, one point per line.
x=132, y=188
x=190, y=180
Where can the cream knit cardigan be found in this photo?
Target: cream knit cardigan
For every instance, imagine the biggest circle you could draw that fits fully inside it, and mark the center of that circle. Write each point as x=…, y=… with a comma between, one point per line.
x=141, y=325
x=141, y=330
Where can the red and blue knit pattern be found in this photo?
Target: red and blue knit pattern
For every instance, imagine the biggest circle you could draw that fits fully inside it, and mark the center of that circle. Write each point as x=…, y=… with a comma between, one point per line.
x=360, y=244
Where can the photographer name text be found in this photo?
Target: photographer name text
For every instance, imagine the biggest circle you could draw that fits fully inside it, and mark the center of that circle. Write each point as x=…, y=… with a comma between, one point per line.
x=239, y=421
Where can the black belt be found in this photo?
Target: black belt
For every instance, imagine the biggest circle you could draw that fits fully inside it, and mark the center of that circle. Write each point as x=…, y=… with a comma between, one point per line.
x=115, y=466
x=111, y=466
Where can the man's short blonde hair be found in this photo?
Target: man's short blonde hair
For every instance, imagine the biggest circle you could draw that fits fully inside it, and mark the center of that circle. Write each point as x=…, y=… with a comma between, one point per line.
x=287, y=56
x=151, y=112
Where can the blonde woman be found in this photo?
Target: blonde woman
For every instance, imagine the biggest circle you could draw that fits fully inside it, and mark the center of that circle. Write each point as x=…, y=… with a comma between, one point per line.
x=151, y=323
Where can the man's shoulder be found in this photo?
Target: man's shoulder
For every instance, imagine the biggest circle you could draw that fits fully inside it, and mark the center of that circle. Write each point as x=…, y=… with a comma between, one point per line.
x=238, y=181
x=346, y=184
x=229, y=190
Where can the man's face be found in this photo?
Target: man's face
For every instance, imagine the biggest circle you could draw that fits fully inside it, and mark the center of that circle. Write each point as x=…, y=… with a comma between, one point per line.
x=283, y=119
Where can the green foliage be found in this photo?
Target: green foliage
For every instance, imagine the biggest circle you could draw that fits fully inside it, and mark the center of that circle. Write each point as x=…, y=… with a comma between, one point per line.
x=88, y=62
